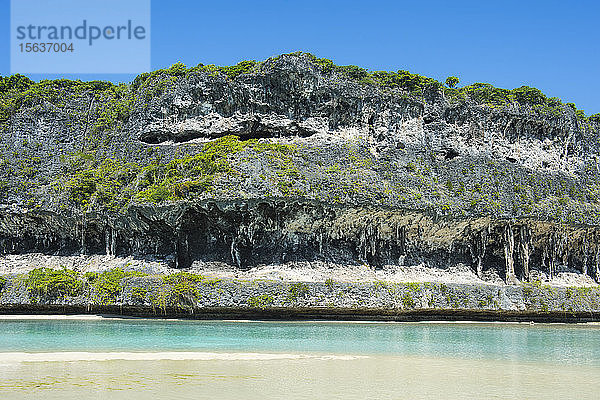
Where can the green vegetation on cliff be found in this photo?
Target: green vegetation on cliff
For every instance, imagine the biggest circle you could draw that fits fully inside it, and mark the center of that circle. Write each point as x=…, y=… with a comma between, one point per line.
x=106, y=286
x=97, y=158
x=482, y=93
x=17, y=91
x=90, y=180
x=46, y=283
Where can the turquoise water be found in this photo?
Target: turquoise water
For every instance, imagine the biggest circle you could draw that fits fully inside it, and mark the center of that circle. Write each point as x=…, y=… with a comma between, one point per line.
x=568, y=344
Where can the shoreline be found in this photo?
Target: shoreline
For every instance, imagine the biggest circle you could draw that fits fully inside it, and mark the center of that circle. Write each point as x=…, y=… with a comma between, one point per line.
x=75, y=356
x=114, y=317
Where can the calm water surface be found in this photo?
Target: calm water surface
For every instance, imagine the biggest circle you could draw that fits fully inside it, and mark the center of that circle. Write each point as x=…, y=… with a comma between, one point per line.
x=572, y=344
x=384, y=360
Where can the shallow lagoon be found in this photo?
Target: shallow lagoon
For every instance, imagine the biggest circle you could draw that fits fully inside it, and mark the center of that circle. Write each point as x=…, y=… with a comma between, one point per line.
x=135, y=358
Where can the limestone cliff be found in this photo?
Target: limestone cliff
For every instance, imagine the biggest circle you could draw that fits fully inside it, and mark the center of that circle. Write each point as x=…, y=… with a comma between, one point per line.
x=296, y=159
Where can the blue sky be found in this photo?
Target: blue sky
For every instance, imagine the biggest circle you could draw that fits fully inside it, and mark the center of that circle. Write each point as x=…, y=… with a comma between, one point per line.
x=551, y=45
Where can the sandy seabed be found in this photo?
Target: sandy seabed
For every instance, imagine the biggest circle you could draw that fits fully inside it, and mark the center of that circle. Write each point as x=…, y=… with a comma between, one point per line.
x=287, y=376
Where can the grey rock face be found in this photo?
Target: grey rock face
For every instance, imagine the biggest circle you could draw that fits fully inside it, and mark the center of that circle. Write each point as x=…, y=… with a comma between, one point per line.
x=230, y=298
x=360, y=173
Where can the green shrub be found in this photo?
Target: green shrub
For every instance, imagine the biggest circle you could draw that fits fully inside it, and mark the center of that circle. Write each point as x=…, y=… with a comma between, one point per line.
x=186, y=176
x=413, y=83
x=353, y=72
x=263, y=301
x=106, y=286
x=47, y=283
x=529, y=95
x=407, y=301
x=488, y=94
x=297, y=290
x=18, y=91
x=139, y=294
x=147, y=78
x=243, y=67
x=452, y=81
x=183, y=289
x=103, y=181
x=17, y=83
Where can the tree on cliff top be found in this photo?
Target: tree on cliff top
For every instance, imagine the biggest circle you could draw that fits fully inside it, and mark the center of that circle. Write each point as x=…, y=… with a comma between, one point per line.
x=452, y=81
